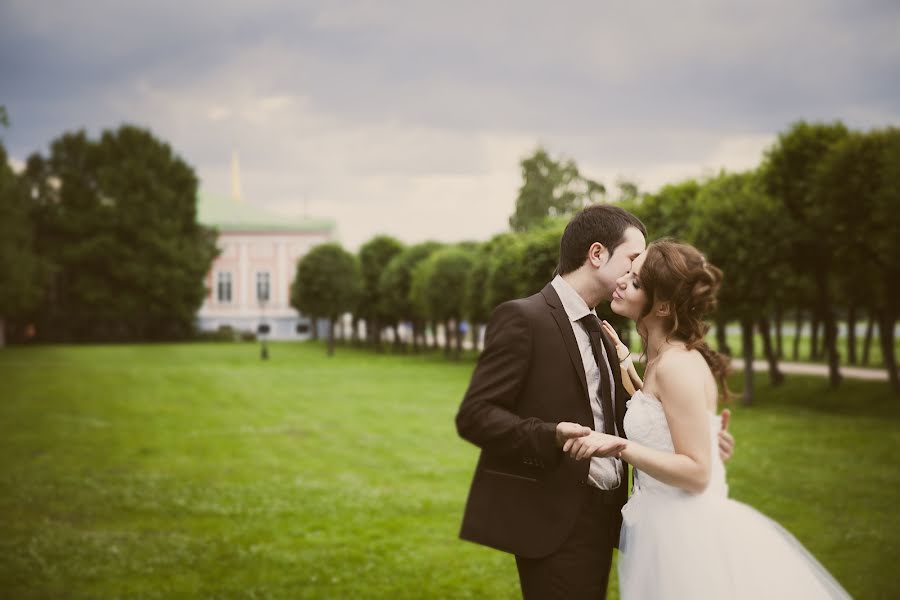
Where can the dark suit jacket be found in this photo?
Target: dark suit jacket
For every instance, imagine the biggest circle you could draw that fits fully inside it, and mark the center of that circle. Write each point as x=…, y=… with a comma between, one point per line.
x=526, y=493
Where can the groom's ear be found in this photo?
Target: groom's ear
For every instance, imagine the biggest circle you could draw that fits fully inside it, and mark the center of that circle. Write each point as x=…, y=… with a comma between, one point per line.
x=597, y=255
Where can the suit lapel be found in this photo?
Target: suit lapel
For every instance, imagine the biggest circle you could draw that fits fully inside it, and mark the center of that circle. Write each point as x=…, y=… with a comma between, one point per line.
x=565, y=329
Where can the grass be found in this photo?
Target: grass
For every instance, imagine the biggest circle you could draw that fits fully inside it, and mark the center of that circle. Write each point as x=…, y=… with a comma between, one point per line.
x=163, y=471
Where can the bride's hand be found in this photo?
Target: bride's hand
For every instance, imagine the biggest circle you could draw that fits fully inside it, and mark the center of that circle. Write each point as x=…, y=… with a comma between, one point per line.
x=621, y=349
x=596, y=444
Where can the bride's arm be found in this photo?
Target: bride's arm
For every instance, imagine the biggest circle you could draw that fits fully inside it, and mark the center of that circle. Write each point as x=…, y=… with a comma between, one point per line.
x=624, y=356
x=680, y=385
x=689, y=467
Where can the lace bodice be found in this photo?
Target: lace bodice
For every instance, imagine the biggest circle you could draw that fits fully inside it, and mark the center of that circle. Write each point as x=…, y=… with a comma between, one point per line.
x=646, y=424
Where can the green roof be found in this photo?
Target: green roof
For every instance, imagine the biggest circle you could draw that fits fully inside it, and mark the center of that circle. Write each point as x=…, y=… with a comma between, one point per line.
x=228, y=214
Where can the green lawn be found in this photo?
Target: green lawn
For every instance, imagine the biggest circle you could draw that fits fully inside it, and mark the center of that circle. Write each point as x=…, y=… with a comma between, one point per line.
x=163, y=471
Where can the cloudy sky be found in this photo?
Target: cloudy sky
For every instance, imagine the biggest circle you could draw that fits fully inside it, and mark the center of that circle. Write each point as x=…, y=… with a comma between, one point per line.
x=410, y=118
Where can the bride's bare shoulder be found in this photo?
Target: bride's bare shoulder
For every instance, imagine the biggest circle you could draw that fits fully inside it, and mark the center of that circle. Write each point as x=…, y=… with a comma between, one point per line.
x=680, y=367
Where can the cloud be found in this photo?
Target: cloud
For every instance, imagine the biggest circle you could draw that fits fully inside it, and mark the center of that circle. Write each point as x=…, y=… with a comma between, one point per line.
x=410, y=117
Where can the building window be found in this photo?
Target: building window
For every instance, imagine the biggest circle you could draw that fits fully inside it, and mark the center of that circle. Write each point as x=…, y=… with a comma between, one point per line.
x=262, y=286
x=223, y=287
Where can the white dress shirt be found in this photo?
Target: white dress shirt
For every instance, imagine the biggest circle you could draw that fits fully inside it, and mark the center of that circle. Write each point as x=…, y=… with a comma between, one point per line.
x=604, y=473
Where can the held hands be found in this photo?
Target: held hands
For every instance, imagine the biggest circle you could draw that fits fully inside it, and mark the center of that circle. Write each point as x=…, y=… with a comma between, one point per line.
x=597, y=444
x=566, y=431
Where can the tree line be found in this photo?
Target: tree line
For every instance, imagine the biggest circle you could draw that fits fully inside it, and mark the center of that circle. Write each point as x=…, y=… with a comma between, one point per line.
x=811, y=235
x=99, y=241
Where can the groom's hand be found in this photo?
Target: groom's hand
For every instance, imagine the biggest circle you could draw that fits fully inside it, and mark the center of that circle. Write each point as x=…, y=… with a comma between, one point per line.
x=566, y=431
x=726, y=440
x=595, y=444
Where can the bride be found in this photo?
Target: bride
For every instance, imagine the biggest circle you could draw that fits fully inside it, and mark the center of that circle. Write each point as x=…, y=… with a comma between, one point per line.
x=682, y=537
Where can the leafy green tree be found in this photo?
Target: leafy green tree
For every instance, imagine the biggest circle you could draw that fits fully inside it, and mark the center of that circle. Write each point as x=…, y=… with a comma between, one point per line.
x=394, y=286
x=476, y=283
x=438, y=288
x=551, y=188
x=21, y=270
x=789, y=173
x=374, y=257
x=327, y=284
x=541, y=251
x=859, y=183
x=116, y=219
x=506, y=271
x=735, y=225
x=667, y=213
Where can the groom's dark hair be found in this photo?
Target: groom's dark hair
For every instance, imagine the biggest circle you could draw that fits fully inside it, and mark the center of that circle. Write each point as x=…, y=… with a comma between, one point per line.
x=602, y=223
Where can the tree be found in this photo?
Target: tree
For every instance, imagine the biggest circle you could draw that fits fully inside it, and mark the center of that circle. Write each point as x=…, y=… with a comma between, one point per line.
x=541, y=247
x=116, y=219
x=735, y=225
x=859, y=184
x=438, y=288
x=506, y=271
x=789, y=172
x=327, y=285
x=21, y=270
x=395, y=283
x=374, y=257
x=667, y=213
x=551, y=188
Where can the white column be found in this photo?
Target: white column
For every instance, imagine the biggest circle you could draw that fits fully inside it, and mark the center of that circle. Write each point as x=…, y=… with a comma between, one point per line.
x=281, y=275
x=243, y=291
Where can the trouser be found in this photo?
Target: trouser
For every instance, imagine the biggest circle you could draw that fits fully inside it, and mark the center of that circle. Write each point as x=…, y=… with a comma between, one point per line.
x=579, y=569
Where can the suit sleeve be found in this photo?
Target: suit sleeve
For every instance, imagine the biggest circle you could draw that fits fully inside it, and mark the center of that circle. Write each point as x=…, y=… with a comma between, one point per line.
x=487, y=416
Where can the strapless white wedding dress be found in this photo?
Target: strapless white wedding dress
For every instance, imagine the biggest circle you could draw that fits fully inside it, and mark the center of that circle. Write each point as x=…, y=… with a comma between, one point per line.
x=682, y=546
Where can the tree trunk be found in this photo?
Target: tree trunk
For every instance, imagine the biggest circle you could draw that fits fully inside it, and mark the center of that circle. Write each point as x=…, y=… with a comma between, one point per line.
x=851, y=334
x=376, y=335
x=867, y=341
x=827, y=312
x=722, y=337
x=2, y=333
x=798, y=329
x=433, y=344
x=459, y=339
x=354, y=331
x=779, y=321
x=886, y=320
x=448, y=342
x=416, y=333
x=814, y=340
x=475, y=327
x=315, y=328
x=330, y=337
x=747, y=346
x=775, y=376
x=398, y=343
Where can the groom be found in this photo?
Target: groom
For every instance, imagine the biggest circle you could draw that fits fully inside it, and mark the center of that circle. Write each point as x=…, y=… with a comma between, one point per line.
x=546, y=365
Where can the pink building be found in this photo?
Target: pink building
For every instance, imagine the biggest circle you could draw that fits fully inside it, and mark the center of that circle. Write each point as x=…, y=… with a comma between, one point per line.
x=250, y=282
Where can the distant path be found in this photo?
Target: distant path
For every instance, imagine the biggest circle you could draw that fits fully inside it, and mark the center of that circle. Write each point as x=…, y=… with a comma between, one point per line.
x=815, y=369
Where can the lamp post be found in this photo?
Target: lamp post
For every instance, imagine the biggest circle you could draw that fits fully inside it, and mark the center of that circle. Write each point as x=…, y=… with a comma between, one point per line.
x=263, y=331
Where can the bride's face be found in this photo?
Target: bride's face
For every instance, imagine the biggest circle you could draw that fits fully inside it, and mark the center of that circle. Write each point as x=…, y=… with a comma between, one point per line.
x=629, y=298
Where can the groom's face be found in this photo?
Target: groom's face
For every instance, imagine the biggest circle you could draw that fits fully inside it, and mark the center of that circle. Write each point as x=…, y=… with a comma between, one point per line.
x=619, y=263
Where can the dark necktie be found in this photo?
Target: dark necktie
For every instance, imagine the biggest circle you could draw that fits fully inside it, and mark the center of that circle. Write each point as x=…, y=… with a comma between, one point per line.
x=592, y=324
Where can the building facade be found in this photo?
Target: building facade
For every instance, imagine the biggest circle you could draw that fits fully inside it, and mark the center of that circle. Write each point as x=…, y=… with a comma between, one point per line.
x=250, y=281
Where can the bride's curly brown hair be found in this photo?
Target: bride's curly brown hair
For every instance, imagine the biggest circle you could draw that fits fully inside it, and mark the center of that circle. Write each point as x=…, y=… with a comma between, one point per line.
x=679, y=273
